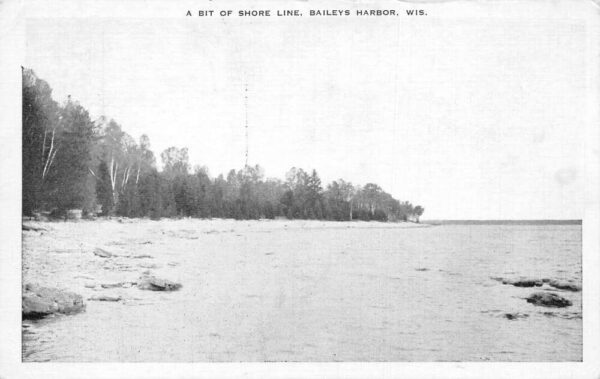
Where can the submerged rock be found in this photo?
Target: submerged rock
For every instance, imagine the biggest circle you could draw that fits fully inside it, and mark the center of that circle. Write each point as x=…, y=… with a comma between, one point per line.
x=43, y=301
x=32, y=228
x=523, y=282
x=148, y=265
x=548, y=299
x=102, y=253
x=142, y=256
x=564, y=285
x=152, y=283
x=112, y=285
x=515, y=315
x=105, y=298
x=565, y=315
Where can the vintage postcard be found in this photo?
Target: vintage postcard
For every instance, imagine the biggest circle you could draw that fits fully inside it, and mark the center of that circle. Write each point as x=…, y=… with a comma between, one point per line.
x=300, y=189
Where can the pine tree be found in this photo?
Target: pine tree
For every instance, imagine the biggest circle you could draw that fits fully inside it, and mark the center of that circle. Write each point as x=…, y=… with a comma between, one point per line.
x=104, y=189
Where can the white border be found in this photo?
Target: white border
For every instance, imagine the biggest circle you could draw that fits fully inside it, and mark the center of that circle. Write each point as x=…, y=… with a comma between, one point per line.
x=12, y=42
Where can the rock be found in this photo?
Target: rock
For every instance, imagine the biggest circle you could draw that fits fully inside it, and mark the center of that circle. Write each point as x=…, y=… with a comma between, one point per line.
x=565, y=315
x=152, y=283
x=562, y=285
x=32, y=228
x=90, y=285
x=142, y=256
x=105, y=298
x=515, y=315
x=148, y=265
x=112, y=285
x=102, y=253
x=43, y=301
x=523, y=282
x=548, y=299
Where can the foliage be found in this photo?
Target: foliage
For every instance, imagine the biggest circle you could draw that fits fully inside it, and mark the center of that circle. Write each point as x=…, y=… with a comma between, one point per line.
x=71, y=162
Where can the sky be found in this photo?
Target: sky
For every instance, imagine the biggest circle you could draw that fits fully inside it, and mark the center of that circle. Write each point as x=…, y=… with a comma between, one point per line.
x=469, y=119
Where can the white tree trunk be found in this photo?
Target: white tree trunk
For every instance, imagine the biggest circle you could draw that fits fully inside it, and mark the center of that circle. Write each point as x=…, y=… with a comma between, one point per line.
x=114, y=168
x=50, y=157
x=350, y=210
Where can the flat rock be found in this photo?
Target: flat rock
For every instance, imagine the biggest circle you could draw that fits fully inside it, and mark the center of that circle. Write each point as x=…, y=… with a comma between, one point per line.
x=564, y=285
x=43, y=301
x=112, y=285
x=148, y=265
x=32, y=228
x=515, y=315
x=102, y=253
x=548, y=299
x=105, y=298
x=153, y=283
x=523, y=282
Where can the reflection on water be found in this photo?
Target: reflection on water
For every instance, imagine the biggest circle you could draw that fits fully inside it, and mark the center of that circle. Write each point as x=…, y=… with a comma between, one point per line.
x=314, y=295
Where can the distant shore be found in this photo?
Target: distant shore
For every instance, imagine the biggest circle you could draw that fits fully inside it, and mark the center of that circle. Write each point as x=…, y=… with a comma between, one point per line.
x=503, y=222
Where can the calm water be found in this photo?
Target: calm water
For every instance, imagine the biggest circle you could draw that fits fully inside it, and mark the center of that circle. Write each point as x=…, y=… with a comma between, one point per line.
x=316, y=295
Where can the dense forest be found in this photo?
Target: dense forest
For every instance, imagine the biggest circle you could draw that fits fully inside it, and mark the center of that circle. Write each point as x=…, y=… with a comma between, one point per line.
x=72, y=162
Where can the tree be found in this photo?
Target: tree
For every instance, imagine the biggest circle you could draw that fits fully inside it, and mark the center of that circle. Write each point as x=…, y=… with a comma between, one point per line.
x=371, y=195
x=40, y=115
x=73, y=157
x=314, y=195
x=175, y=161
x=149, y=187
x=418, y=211
x=103, y=189
x=347, y=192
x=114, y=146
x=70, y=162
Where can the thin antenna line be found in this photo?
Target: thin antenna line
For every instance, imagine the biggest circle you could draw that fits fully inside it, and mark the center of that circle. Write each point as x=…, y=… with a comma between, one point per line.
x=246, y=119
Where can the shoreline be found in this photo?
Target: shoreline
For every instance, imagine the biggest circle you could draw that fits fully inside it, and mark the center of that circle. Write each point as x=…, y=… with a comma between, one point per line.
x=214, y=223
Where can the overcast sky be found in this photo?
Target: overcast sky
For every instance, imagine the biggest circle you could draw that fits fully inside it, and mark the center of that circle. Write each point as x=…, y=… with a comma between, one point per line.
x=471, y=119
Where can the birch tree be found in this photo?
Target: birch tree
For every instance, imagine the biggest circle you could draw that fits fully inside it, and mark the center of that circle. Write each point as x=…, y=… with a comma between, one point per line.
x=40, y=136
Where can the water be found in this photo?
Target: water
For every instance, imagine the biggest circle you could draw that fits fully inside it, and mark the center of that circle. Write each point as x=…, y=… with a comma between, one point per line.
x=288, y=293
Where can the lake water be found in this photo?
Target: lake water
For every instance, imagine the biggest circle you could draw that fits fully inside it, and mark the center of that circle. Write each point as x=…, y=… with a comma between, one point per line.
x=279, y=292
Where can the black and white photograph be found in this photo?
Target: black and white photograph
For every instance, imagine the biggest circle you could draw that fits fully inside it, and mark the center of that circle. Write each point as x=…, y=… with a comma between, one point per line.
x=374, y=182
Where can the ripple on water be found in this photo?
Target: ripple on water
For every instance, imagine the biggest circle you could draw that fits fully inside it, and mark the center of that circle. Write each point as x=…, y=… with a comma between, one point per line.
x=377, y=301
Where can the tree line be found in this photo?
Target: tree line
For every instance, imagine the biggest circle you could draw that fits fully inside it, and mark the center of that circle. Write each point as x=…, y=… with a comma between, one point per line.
x=72, y=162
